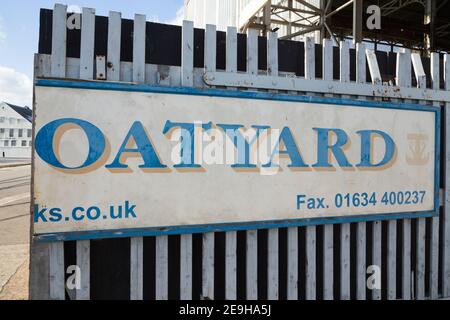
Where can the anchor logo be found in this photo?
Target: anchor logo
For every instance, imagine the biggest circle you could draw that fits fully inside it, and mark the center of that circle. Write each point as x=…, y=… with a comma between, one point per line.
x=417, y=145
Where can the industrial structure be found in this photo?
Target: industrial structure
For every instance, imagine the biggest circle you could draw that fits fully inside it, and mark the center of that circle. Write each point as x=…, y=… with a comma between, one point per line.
x=418, y=24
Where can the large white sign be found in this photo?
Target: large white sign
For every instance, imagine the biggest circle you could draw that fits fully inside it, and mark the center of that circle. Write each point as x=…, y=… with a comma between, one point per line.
x=168, y=160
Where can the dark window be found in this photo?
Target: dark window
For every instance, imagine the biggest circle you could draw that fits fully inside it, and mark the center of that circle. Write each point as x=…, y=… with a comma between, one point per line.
x=11, y=133
x=13, y=143
x=20, y=133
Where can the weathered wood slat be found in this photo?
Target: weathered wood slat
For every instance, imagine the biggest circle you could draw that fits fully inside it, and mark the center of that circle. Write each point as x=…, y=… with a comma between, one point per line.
x=406, y=260
x=373, y=67
x=139, y=48
x=208, y=266
x=230, y=265
x=162, y=268
x=361, y=227
x=114, y=42
x=392, y=260
x=403, y=79
x=84, y=263
x=59, y=41
x=186, y=267
x=231, y=237
x=252, y=265
x=434, y=222
x=252, y=235
x=87, y=44
x=57, y=284
x=446, y=216
x=311, y=276
x=272, y=237
x=292, y=249
x=252, y=51
x=345, y=261
x=328, y=261
x=187, y=54
x=136, y=268
x=376, y=254
x=419, y=280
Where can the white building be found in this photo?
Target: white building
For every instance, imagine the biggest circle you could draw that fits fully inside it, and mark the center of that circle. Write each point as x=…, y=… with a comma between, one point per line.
x=15, y=131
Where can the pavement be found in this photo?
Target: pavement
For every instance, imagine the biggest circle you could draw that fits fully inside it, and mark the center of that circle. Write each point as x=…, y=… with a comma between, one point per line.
x=14, y=231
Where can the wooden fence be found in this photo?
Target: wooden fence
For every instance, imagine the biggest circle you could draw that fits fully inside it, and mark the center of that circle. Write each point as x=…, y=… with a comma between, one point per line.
x=311, y=262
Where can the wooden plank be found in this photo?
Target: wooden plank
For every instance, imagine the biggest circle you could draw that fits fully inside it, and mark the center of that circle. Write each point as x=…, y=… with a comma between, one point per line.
x=434, y=221
x=231, y=47
x=139, y=48
x=252, y=265
x=84, y=263
x=310, y=284
x=114, y=42
x=208, y=266
x=187, y=79
x=100, y=68
x=162, y=267
x=376, y=254
x=327, y=60
x=310, y=262
x=87, y=44
x=292, y=263
x=230, y=265
x=406, y=260
x=57, y=281
x=231, y=237
x=59, y=40
x=373, y=67
x=272, y=264
x=446, y=215
x=187, y=54
x=419, y=280
x=136, y=268
x=210, y=48
x=391, y=260
x=272, y=237
x=361, y=266
x=310, y=65
x=344, y=58
x=328, y=262
x=418, y=70
x=252, y=51
x=328, y=241
x=272, y=54
x=345, y=261
x=360, y=63
x=58, y=69
x=403, y=79
x=186, y=267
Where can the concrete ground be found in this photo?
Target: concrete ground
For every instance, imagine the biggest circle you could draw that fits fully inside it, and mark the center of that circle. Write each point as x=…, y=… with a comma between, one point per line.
x=14, y=231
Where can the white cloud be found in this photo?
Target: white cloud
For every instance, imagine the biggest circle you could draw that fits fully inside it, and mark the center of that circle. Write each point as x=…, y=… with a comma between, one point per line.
x=2, y=31
x=179, y=17
x=15, y=87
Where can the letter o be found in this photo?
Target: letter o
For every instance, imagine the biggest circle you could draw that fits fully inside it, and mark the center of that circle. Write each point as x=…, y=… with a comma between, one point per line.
x=45, y=136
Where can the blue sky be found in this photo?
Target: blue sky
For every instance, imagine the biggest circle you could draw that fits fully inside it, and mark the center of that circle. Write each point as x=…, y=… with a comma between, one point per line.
x=19, y=31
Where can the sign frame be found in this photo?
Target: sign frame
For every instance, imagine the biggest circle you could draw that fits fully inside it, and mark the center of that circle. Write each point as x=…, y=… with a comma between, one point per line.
x=237, y=226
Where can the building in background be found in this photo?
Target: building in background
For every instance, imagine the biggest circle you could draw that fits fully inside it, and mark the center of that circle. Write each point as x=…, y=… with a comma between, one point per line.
x=15, y=131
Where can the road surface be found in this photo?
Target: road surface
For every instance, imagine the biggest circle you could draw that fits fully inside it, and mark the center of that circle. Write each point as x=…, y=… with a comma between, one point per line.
x=14, y=231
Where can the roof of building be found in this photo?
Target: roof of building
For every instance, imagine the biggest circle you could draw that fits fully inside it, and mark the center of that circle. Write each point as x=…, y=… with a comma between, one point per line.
x=25, y=112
